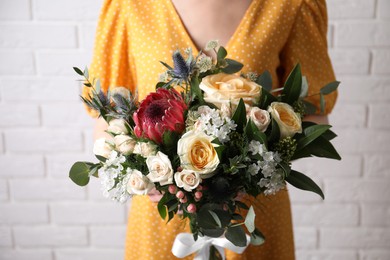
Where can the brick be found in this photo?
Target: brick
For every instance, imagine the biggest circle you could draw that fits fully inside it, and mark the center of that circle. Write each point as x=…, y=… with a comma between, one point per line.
x=67, y=10
x=95, y=192
x=70, y=114
x=62, y=63
x=350, y=61
x=46, y=190
x=381, y=61
x=50, y=236
x=297, y=195
x=356, y=9
x=377, y=165
x=326, y=255
x=16, y=63
x=89, y=254
x=1, y=143
x=376, y=215
x=375, y=255
x=362, y=34
x=5, y=237
x=357, y=190
x=48, y=89
x=58, y=165
x=3, y=190
x=19, y=115
x=349, y=115
x=364, y=89
x=87, y=213
x=22, y=166
x=23, y=254
x=322, y=215
x=379, y=116
x=87, y=32
x=305, y=238
x=350, y=140
x=349, y=166
x=15, y=213
x=15, y=10
x=37, y=36
x=383, y=9
x=43, y=140
x=108, y=237
x=348, y=238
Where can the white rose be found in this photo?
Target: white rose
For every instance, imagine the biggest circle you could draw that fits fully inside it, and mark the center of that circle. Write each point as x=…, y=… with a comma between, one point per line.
x=117, y=126
x=187, y=179
x=138, y=183
x=197, y=153
x=259, y=117
x=288, y=121
x=145, y=149
x=160, y=169
x=229, y=88
x=124, y=144
x=102, y=147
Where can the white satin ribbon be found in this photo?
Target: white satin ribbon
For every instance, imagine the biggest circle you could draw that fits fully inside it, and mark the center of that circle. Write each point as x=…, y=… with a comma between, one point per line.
x=184, y=245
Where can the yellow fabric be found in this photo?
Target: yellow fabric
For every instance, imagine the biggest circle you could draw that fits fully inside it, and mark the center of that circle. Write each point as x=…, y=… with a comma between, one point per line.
x=133, y=36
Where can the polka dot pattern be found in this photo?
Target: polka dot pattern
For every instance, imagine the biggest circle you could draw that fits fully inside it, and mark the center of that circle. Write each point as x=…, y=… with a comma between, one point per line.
x=133, y=36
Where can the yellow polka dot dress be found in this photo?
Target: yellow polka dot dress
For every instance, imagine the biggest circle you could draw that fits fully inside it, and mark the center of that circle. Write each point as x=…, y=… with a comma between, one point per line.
x=134, y=35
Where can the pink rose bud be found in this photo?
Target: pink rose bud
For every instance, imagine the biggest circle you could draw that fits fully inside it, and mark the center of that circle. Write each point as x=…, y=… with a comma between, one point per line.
x=172, y=189
x=198, y=195
x=180, y=194
x=191, y=208
x=179, y=169
x=183, y=200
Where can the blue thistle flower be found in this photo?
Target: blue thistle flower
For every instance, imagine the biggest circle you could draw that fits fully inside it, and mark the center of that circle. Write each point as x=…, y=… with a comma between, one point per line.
x=181, y=69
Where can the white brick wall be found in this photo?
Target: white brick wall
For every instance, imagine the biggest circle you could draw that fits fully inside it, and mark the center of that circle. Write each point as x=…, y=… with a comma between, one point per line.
x=43, y=129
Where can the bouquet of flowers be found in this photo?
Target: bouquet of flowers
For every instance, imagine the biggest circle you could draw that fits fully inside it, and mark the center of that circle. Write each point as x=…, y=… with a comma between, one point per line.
x=205, y=136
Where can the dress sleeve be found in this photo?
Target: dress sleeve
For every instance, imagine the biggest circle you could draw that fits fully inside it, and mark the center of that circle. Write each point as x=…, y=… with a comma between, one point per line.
x=307, y=44
x=111, y=57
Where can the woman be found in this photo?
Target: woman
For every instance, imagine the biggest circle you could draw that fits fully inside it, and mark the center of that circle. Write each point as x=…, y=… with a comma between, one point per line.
x=133, y=36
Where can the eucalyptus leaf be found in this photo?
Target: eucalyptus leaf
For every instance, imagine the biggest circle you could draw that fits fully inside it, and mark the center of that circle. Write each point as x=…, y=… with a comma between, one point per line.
x=322, y=103
x=221, y=54
x=265, y=81
x=257, y=238
x=98, y=86
x=250, y=220
x=301, y=181
x=232, y=66
x=236, y=235
x=216, y=218
x=79, y=173
x=330, y=87
x=304, y=88
x=310, y=109
x=86, y=72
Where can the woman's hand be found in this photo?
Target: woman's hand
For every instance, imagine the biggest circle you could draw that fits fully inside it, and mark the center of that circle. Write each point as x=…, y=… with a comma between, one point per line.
x=319, y=119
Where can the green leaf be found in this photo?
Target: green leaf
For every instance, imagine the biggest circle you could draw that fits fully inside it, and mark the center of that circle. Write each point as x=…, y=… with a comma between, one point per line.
x=286, y=168
x=253, y=133
x=86, y=72
x=162, y=209
x=78, y=71
x=101, y=158
x=232, y=67
x=196, y=90
x=323, y=148
x=221, y=54
x=292, y=87
x=304, y=88
x=250, y=220
x=322, y=103
x=265, y=80
x=329, y=88
x=257, y=238
x=275, y=132
x=310, y=134
x=301, y=181
x=216, y=219
x=239, y=116
x=241, y=205
x=236, y=235
x=266, y=99
x=328, y=135
x=79, y=173
x=310, y=109
x=98, y=86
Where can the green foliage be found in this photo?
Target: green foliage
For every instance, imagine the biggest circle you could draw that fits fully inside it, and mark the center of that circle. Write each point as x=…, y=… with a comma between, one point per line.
x=236, y=235
x=221, y=54
x=232, y=66
x=286, y=147
x=266, y=99
x=292, y=87
x=239, y=116
x=79, y=173
x=265, y=81
x=301, y=181
x=253, y=133
x=250, y=220
x=310, y=134
x=329, y=88
x=257, y=238
x=273, y=132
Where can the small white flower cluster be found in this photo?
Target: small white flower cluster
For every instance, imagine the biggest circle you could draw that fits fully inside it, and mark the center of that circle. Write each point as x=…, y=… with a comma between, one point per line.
x=113, y=181
x=214, y=124
x=273, y=179
x=204, y=63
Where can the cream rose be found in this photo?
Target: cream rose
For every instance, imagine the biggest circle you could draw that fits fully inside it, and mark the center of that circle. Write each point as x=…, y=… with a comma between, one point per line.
x=228, y=88
x=138, y=183
x=102, y=147
x=288, y=121
x=117, y=126
x=124, y=144
x=259, y=117
x=197, y=153
x=145, y=149
x=187, y=179
x=160, y=169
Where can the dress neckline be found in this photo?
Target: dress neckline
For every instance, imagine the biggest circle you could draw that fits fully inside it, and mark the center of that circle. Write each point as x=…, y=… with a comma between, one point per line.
x=188, y=36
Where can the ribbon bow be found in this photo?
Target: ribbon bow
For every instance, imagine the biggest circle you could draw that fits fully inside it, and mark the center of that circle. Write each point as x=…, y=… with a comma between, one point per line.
x=184, y=245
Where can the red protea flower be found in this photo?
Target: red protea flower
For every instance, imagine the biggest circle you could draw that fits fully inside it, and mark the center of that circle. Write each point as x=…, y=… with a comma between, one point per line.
x=160, y=111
